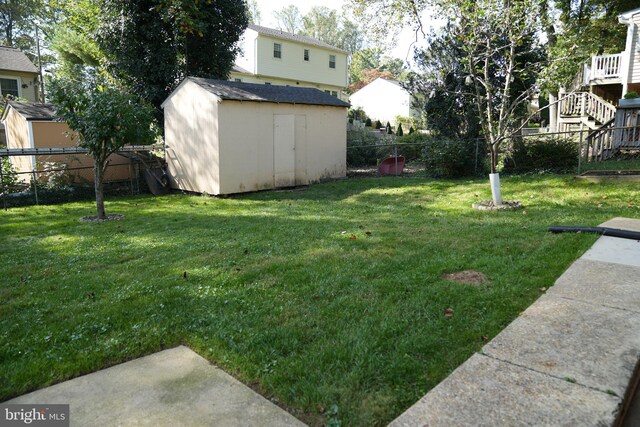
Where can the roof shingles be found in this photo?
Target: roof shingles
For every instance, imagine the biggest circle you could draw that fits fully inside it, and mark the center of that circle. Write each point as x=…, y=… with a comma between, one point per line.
x=238, y=91
x=15, y=60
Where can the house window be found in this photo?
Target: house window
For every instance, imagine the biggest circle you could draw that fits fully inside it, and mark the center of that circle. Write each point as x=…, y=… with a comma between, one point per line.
x=238, y=80
x=332, y=61
x=334, y=93
x=306, y=54
x=267, y=83
x=277, y=50
x=328, y=92
x=9, y=87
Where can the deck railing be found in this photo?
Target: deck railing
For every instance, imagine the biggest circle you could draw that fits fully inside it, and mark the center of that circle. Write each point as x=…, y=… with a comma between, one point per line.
x=586, y=104
x=606, y=66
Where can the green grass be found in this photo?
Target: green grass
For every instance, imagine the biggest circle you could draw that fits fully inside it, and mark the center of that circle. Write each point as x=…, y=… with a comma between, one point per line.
x=279, y=293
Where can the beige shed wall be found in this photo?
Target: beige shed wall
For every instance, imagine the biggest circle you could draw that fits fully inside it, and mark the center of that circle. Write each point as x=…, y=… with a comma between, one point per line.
x=247, y=144
x=17, y=131
x=191, y=137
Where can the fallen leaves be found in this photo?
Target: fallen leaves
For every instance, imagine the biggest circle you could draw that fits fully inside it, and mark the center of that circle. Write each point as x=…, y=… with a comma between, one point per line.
x=448, y=312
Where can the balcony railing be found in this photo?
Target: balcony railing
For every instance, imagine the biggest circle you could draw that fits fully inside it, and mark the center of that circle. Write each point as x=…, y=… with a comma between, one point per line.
x=606, y=66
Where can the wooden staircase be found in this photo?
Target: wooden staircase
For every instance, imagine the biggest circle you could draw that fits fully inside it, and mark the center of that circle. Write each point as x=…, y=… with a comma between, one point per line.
x=621, y=133
x=584, y=108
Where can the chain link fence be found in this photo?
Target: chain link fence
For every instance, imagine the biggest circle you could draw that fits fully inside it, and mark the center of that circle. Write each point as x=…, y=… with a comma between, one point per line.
x=65, y=180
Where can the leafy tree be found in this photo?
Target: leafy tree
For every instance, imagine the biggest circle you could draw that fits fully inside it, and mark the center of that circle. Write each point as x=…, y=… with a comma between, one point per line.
x=368, y=122
x=289, y=19
x=253, y=12
x=104, y=118
x=440, y=79
x=378, y=124
x=367, y=76
x=411, y=130
x=389, y=131
x=368, y=64
x=326, y=25
x=152, y=45
x=16, y=20
x=399, y=131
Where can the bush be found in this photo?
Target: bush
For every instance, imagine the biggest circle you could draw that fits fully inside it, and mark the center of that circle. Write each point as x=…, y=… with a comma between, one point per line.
x=358, y=154
x=9, y=175
x=368, y=122
x=399, y=131
x=389, y=131
x=450, y=158
x=542, y=155
x=411, y=130
x=378, y=124
x=414, y=151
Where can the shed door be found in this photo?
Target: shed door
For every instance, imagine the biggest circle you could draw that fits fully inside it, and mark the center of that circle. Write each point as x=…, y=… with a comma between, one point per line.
x=284, y=155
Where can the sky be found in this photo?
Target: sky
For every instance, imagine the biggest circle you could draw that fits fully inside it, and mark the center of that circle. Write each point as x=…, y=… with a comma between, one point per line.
x=401, y=50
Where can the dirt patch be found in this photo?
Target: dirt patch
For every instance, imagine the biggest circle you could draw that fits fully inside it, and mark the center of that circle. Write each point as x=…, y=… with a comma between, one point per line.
x=110, y=217
x=488, y=205
x=467, y=277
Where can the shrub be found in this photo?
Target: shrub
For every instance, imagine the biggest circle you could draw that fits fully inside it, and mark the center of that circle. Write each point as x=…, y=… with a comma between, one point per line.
x=9, y=175
x=358, y=154
x=399, y=131
x=631, y=95
x=541, y=155
x=378, y=124
x=389, y=131
x=368, y=122
x=411, y=130
x=450, y=158
x=414, y=151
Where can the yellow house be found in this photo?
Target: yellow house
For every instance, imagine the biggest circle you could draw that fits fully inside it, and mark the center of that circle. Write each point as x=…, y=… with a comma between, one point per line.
x=18, y=75
x=227, y=137
x=33, y=125
x=280, y=58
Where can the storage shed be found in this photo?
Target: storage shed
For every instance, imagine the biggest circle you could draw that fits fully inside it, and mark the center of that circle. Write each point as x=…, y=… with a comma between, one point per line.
x=230, y=137
x=34, y=125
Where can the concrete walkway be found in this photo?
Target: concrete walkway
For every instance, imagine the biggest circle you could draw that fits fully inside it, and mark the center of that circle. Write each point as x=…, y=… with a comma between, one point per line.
x=568, y=360
x=174, y=387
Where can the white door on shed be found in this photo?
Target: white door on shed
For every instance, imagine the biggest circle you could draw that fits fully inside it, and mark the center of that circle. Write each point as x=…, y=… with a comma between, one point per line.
x=284, y=155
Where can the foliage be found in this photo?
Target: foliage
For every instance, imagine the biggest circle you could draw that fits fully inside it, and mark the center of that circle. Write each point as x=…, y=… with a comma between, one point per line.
x=289, y=19
x=585, y=28
x=326, y=25
x=631, y=95
x=358, y=114
x=253, y=12
x=542, y=155
x=378, y=124
x=414, y=149
x=55, y=175
x=359, y=150
x=9, y=175
x=368, y=122
x=278, y=295
x=104, y=118
x=440, y=80
x=151, y=45
x=450, y=158
x=389, y=131
x=399, y=130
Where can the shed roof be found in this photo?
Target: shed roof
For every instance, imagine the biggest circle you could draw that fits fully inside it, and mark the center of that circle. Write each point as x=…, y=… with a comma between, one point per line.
x=239, y=91
x=33, y=111
x=15, y=60
x=293, y=37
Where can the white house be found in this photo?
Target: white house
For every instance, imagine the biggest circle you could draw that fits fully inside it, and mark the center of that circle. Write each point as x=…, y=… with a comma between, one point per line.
x=227, y=137
x=279, y=58
x=384, y=100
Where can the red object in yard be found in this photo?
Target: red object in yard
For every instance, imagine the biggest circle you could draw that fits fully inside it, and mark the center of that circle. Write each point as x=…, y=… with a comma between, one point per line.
x=388, y=165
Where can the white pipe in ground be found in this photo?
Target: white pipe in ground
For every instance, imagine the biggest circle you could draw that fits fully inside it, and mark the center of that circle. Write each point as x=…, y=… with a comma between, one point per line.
x=494, y=179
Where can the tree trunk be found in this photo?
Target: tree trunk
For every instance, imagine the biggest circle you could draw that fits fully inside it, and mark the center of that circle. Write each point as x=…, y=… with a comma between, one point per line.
x=99, y=175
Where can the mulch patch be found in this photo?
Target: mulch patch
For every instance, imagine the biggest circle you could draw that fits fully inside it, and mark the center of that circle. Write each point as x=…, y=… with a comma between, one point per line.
x=467, y=277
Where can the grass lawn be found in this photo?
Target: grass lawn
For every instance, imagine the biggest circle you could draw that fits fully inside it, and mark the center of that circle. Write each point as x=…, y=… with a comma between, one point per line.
x=330, y=300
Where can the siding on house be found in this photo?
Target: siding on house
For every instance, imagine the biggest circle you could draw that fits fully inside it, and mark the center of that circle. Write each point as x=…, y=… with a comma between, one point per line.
x=634, y=73
x=30, y=80
x=259, y=65
x=383, y=100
